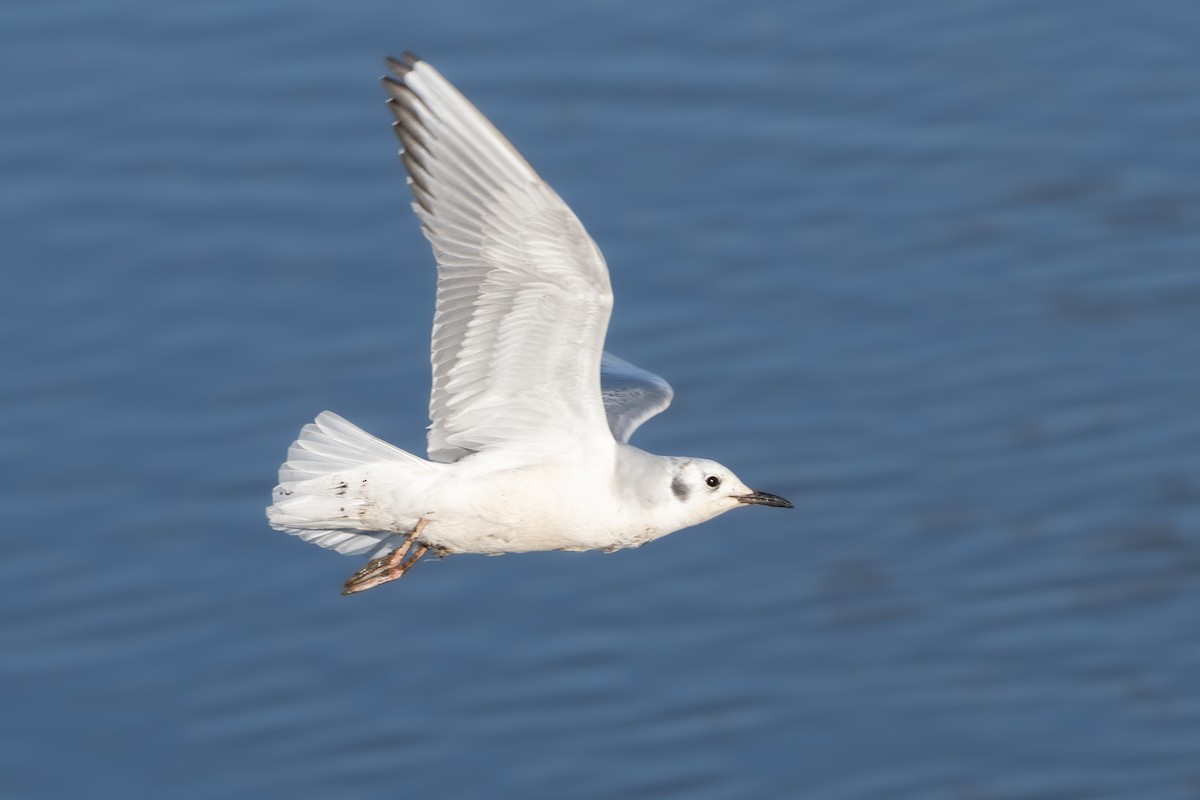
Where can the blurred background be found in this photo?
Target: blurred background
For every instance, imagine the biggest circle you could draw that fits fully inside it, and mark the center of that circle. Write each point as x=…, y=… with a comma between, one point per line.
x=928, y=269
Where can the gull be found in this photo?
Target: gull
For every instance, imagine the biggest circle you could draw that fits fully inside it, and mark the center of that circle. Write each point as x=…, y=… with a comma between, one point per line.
x=530, y=418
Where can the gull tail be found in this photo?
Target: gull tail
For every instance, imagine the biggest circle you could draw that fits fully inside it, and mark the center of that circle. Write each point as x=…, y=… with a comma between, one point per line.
x=331, y=487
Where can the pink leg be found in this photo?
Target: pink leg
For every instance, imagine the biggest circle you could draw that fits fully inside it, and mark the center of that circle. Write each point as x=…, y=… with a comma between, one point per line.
x=389, y=567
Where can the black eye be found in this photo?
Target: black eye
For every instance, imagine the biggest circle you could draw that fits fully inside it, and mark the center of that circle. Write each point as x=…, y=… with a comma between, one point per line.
x=713, y=481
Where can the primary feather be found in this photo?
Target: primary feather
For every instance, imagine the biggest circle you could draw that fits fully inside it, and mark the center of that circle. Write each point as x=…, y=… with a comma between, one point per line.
x=523, y=296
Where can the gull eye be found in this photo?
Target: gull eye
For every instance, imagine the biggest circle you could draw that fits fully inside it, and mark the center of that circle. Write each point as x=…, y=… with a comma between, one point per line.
x=712, y=481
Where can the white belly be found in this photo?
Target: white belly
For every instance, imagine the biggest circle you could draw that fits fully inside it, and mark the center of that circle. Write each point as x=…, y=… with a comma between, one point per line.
x=557, y=506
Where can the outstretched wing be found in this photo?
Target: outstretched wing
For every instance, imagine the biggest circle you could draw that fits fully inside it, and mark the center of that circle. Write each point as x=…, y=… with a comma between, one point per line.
x=523, y=296
x=631, y=395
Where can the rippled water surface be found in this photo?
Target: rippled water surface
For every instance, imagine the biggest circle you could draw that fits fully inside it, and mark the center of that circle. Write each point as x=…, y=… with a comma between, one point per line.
x=928, y=269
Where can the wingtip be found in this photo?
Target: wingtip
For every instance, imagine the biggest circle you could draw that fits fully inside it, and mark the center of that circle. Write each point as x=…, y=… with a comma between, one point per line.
x=394, y=85
x=403, y=65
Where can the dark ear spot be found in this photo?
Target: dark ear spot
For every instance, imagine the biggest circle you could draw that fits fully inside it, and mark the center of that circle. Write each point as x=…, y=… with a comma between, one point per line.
x=680, y=489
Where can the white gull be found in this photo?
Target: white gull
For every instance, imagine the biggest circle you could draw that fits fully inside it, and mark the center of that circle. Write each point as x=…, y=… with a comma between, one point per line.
x=528, y=446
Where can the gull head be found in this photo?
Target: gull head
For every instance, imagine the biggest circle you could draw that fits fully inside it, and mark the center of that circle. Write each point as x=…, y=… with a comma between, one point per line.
x=703, y=489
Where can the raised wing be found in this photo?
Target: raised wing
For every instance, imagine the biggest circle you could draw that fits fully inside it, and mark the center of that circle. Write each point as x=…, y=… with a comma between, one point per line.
x=523, y=296
x=631, y=395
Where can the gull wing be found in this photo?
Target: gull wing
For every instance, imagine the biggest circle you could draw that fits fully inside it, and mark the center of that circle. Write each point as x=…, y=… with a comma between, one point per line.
x=631, y=395
x=523, y=295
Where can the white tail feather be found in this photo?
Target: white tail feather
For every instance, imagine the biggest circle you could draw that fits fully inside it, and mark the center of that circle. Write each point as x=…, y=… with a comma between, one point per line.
x=323, y=493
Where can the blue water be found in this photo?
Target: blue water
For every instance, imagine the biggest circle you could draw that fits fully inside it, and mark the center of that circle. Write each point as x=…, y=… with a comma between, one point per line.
x=928, y=269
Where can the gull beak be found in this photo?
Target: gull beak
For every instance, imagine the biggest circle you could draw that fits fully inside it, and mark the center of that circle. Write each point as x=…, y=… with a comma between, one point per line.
x=764, y=499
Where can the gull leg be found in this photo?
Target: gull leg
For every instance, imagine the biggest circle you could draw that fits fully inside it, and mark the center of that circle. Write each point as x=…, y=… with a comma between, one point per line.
x=389, y=567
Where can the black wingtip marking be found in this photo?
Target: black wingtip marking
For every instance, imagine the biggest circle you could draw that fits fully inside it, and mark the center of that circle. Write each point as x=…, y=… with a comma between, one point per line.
x=403, y=65
x=407, y=126
x=416, y=179
x=400, y=102
x=394, y=88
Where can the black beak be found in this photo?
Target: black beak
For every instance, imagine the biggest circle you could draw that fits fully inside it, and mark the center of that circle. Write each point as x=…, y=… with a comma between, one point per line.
x=764, y=499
